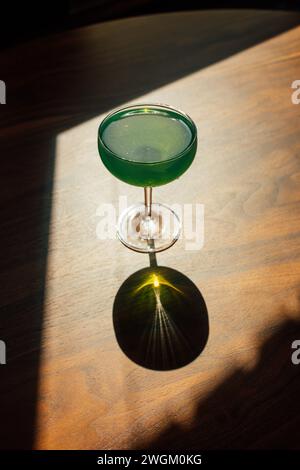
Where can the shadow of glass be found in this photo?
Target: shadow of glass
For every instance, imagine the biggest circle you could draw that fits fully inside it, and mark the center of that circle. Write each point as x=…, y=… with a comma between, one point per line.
x=160, y=318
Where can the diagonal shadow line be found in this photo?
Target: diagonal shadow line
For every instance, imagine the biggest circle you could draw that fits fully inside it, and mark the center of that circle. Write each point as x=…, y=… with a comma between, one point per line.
x=53, y=85
x=91, y=70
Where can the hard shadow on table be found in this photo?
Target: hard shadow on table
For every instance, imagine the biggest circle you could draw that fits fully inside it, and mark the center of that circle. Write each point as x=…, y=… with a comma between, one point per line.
x=35, y=20
x=160, y=318
x=257, y=408
x=122, y=61
x=51, y=86
x=25, y=207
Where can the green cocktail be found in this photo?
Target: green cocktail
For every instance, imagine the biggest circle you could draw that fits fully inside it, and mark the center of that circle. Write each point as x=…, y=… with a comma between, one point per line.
x=147, y=145
x=147, y=149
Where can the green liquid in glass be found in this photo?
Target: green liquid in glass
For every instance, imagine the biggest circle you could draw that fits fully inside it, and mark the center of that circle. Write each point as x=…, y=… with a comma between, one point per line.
x=147, y=147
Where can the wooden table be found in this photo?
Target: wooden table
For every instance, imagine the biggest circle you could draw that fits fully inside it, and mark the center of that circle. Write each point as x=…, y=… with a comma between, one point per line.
x=67, y=383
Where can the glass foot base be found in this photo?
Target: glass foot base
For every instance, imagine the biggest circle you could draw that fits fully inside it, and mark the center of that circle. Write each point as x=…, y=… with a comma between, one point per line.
x=148, y=234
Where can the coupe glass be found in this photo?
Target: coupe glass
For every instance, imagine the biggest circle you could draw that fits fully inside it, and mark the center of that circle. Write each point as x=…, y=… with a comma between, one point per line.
x=147, y=145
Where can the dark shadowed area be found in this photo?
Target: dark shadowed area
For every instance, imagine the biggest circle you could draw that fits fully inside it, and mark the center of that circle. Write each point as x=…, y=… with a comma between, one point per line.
x=251, y=409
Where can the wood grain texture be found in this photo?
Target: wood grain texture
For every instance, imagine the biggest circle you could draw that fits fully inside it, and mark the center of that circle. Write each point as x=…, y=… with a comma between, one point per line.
x=67, y=383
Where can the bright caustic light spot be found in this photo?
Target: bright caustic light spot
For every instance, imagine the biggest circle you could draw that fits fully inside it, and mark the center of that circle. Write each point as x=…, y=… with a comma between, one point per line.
x=155, y=281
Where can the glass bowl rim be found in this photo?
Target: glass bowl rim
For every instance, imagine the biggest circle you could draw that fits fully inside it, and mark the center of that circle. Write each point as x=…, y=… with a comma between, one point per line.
x=149, y=105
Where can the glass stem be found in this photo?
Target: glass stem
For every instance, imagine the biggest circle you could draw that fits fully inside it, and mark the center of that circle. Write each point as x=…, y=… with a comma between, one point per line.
x=148, y=200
